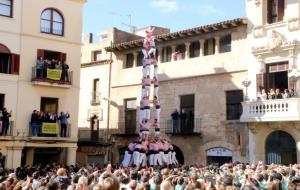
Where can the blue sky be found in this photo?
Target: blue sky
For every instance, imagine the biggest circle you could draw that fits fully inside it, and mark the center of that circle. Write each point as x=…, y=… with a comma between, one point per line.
x=174, y=14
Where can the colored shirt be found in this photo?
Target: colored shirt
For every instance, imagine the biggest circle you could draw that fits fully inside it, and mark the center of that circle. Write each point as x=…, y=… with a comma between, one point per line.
x=156, y=125
x=165, y=147
x=145, y=102
x=155, y=146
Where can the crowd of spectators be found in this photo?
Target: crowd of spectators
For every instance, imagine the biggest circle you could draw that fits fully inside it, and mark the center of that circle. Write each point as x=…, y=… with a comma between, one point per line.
x=43, y=64
x=39, y=117
x=275, y=94
x=226, y=177
x=4, y=121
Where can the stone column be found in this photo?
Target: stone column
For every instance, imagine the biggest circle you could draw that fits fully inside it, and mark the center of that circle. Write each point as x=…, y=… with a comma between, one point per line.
x=292, y=62
x=71, y=155
x=29, y=156
x=135, y=59
x=217, y=47
x=173, y=51
x=13, y=157
x=159, y=55
x=187, y=50
x=201, y=47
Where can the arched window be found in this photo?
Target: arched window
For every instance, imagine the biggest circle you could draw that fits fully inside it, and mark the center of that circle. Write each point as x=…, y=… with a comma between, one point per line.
x=52, y=22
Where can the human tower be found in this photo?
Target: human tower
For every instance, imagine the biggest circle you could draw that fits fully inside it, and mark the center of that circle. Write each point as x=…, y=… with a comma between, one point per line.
x=149, y=149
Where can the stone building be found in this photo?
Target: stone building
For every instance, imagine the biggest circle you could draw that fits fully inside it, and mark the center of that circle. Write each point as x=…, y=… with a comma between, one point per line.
x=273, y=63
x=200, y=71
x=50, y=30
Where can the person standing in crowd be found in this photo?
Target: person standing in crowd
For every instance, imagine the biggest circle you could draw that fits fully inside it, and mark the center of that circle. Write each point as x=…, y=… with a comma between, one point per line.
x=175, y=119
x=39, y=67
x=63, y=118
x=183, y=121
x=5, y=121
x=65, y=71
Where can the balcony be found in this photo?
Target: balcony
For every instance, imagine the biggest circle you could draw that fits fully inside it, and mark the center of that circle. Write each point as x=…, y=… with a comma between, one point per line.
x=53, y=77
x=271, y=110
x=96, y=96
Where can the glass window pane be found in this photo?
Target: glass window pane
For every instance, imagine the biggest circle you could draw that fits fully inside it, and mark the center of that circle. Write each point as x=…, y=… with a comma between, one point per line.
x=5, y=10
x=57, y=28
x=46, y=15
x=57, y=17
x=5, y=2
x=45, y=26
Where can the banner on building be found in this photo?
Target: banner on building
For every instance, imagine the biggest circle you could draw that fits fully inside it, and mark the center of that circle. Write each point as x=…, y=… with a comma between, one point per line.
x=50, y=128
x=54, y=74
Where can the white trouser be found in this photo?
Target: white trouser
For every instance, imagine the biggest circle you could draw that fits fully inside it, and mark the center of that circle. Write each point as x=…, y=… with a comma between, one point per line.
x=144, y=92
x=167, y=158
x=155, y=71
x=145, y=134
x=157, y=114
x=147, y=113
x=144, y=71
x=155, y=91
x=153, y=52
x=157, y=133
x=148, y=68
x=147, y=90
x=158, y=159
x=170, y=157
x=151, y=159
x=163, y=158
x=144, y=51
x=174, y=160
x=143, y=159
x=141, y=115
x=136, y=158
x=127, y=158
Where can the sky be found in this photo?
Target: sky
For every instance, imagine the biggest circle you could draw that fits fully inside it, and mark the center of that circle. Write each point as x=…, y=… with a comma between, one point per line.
x=100, y=15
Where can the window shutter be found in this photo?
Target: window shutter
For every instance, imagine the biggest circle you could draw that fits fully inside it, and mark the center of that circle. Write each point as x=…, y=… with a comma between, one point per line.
x=269, y=11
x=40, y=53
x=260, y=81
x=280, y=10
x=15, y=64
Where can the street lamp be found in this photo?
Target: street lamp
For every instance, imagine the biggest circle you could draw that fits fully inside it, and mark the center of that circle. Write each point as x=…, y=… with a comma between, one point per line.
x=246, y=83
x=294, y=75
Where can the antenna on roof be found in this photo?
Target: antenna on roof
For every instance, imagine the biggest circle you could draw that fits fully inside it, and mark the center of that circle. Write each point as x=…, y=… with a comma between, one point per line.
x=132, y=28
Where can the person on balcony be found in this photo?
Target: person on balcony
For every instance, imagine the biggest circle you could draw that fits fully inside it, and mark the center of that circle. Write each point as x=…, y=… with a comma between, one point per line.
x=47, y=64
x=5, y=121
x=175, y=119
x=278, y=95
x=183, y=117
x=285, y=94
x=63, y=118
x=39, y=67
x=35, y=123
x=263, y=95
x=271, y=94
x=65, y=71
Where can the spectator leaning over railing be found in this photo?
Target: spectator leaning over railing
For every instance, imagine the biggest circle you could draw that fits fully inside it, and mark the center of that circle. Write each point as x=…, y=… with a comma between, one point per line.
x=63, y=118
x=65, y=72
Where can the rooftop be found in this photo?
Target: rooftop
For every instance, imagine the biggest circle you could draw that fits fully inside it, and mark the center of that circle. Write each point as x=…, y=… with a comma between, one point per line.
x=181, y=34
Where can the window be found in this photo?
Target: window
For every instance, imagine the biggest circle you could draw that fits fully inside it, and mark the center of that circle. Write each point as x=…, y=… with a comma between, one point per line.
x=97, y=55
x=52, y=22
x=140, y=58
x=209, y=47
x=96, y=92
x=49, y=105
x=129, y=60
x=2, y=98
x=233, y=104
x=187, y=108
x=6, y=7
x=195, y=49
x=275, y=11
x=179, y=52
x=9, y=63
x=130, y=115
x=166, y=54
x=225, y=43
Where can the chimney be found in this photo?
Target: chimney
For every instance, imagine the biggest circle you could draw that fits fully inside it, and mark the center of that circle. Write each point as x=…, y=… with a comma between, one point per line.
x=87, y=38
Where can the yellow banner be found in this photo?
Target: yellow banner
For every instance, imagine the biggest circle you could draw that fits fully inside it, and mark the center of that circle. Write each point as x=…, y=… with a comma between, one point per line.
x=50, y=128
x=54, y=74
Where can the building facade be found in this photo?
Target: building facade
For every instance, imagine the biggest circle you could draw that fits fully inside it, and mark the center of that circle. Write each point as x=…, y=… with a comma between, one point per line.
x=52, y=31
x=201, y=72
x=273, y=65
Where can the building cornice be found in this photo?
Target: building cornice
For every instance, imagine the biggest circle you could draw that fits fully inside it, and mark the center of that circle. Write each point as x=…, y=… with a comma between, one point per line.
x=96, y=63
x=181, y=34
